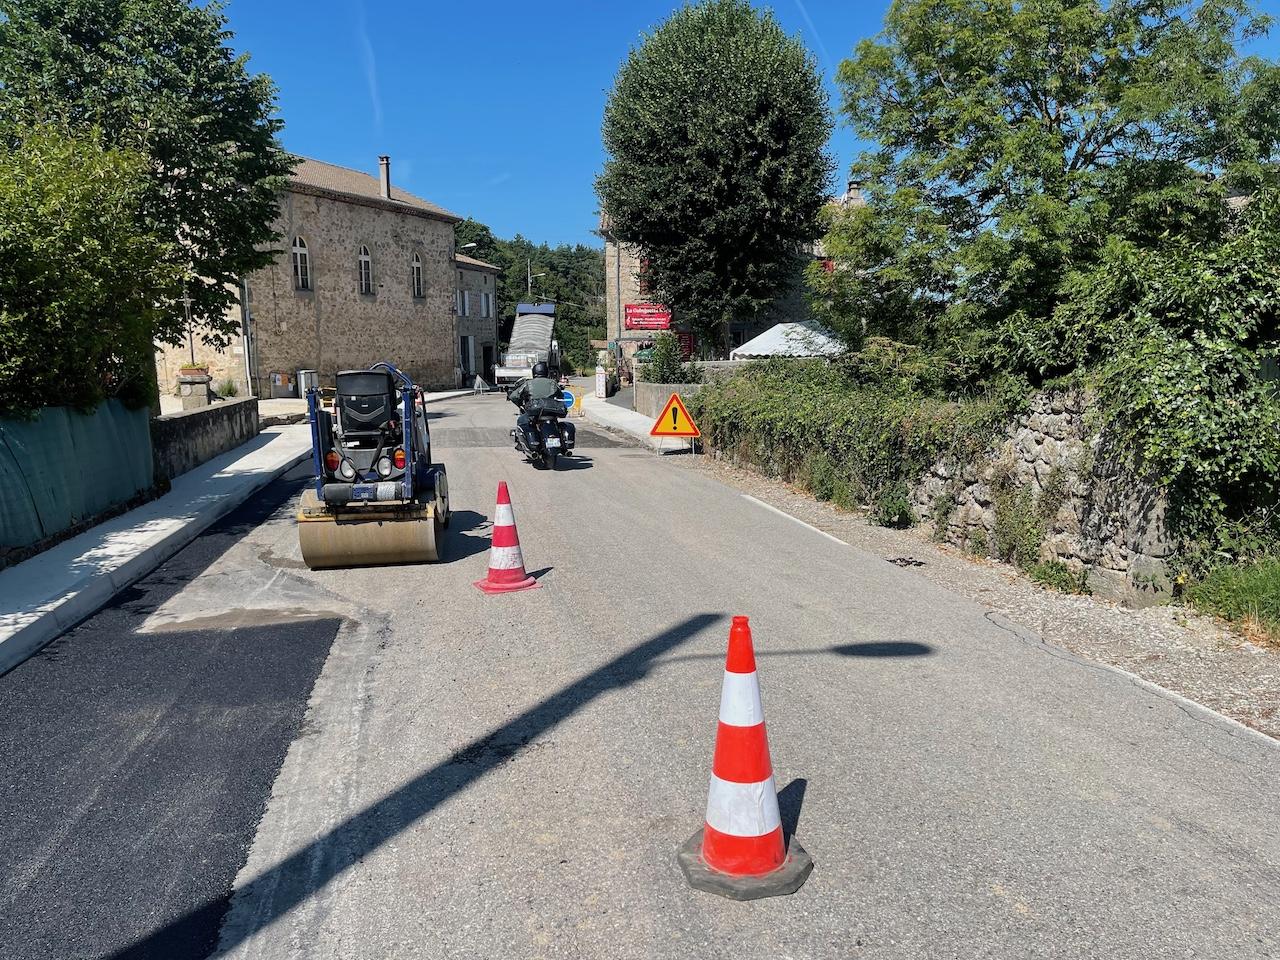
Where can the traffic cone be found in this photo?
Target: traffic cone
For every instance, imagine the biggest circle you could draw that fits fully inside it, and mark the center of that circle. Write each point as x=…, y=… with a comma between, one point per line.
x=740, y=852
x=506, y=562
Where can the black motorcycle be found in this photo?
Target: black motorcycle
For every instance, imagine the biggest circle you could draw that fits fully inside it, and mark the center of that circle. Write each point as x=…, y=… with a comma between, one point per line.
x=541, y=432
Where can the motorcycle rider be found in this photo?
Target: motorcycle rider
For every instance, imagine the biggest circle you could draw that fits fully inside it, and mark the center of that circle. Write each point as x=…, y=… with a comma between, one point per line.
x=540, y=387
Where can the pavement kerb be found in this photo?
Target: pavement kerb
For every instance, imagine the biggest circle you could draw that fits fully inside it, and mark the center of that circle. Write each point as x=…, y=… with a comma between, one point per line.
x=88, y=594
x=618, y=420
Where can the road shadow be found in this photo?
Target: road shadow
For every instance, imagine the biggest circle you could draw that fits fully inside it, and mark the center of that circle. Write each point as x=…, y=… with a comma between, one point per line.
x=459, y=541
x=790, y=800
x=573, y=463
x=539, y=574
x=884, y=648
x=276, y=891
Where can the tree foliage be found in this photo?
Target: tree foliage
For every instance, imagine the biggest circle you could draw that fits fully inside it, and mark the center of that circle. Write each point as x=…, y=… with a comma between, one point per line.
x=1014, y=140
x=80, y=272
x=573, y=280
x=158, y=77
x=715, y=131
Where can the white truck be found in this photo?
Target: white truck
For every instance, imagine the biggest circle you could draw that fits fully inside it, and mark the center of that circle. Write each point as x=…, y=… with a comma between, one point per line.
x=531, y=341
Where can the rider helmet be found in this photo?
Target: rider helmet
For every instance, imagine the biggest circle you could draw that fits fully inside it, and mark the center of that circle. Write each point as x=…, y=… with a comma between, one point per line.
x=539, y=369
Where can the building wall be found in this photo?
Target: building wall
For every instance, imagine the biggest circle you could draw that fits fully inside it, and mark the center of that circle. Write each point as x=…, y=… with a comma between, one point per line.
x=476, y=282
x=333, y=326
x=223, y=365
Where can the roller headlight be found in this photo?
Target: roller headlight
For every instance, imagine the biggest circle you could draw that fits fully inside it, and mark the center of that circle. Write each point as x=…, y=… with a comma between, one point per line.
x=347, y=470
x=384, y=466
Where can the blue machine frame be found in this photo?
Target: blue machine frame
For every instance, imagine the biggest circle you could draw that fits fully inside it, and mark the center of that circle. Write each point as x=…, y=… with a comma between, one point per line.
x=369, y=491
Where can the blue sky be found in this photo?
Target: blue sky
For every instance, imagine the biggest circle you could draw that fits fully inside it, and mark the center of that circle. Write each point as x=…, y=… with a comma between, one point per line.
x=489, y=109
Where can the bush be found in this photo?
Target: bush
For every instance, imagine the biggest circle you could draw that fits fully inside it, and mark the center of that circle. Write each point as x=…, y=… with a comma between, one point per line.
x=857, y=431
x=1248, y=593
x=228, y=388
x=667, y=366
x=79, y=274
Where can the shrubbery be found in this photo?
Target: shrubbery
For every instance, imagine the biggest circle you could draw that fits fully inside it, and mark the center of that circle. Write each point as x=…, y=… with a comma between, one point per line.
x=859, y=431
x=667, y=365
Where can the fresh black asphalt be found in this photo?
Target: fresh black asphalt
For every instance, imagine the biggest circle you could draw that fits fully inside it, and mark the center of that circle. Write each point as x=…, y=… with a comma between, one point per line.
x=136, y=767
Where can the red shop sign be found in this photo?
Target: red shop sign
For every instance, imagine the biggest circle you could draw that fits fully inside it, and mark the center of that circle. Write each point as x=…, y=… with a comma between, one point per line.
x=647, y=316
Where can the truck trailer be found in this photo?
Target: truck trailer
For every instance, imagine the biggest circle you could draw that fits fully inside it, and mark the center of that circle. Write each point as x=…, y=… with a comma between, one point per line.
x=531, y=341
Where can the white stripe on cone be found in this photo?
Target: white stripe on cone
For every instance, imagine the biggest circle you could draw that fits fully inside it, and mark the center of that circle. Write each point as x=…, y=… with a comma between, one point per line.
x=740, y=700
x=505, y=558
x=743, y=809
x=504, y=516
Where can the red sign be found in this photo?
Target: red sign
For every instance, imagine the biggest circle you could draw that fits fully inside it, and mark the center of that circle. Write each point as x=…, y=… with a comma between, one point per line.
x=647, y=316
x=686, y=345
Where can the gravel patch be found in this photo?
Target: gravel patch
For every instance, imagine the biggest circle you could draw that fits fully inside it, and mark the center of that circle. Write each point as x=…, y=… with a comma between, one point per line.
x=1196, y=656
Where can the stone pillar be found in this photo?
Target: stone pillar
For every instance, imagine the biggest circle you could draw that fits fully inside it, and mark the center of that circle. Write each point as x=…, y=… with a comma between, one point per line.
x=193, y=387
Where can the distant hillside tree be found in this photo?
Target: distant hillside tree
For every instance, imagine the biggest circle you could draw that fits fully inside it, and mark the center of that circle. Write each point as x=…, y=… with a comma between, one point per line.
x=715, y=131
x=159, y=78
x=573, y=279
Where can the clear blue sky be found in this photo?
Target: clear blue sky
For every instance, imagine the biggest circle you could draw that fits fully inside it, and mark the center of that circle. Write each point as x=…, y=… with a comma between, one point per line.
x=489, y=109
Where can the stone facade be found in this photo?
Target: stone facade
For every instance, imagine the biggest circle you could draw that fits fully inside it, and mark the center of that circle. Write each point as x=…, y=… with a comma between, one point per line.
x=1104, y=521
x=331, y=323
x=477, y=319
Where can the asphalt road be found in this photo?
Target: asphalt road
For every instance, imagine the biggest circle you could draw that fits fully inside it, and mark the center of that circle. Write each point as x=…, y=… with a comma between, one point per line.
x=137, y=766
x=510, y=776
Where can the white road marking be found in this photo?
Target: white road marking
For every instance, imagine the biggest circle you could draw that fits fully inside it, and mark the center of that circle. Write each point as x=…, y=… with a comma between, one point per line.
x=783, y=513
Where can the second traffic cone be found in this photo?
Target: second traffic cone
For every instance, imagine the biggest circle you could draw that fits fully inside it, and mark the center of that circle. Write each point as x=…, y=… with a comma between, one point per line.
x=741, y=852
x=506, y=562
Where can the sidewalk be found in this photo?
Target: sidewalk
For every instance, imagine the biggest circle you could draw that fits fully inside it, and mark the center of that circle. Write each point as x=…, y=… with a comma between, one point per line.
x=53, y=591
x=616, y=418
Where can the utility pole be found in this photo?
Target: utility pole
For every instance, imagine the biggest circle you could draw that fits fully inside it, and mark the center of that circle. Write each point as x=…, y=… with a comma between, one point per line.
x=528, y=262
x=186, y=306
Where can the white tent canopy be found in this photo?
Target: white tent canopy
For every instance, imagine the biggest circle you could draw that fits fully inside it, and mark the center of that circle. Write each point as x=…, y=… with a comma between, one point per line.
x=805, y=339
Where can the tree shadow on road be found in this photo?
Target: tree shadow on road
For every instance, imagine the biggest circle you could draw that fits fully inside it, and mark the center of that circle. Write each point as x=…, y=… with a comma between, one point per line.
x=276, y=891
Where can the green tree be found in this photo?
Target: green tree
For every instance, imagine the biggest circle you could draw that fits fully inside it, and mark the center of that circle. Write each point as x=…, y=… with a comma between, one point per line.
x=159, y=77
x=715, y=131
x=1015, y=139
x=80, y=272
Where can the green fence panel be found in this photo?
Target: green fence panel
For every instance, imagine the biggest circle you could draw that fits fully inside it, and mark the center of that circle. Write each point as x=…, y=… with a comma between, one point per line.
x=66, y=467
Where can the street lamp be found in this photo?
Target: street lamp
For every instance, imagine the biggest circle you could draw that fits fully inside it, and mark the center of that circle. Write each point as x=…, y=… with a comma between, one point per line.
x=531, y=275
x=186, y=306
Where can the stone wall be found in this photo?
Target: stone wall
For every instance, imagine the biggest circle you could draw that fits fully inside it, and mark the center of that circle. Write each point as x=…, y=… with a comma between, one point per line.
x=1098, y=518
x=650, y=398
x=181, y=441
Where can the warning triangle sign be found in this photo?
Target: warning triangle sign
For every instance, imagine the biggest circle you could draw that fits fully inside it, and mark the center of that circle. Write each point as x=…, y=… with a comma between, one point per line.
x=674, y=421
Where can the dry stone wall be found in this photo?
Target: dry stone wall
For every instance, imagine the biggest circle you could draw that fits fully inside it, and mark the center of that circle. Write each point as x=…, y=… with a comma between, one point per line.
x=1097, y=518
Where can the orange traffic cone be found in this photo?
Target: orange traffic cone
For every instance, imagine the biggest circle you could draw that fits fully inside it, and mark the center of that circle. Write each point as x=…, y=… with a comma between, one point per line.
x=506, y=562
x=740, y=852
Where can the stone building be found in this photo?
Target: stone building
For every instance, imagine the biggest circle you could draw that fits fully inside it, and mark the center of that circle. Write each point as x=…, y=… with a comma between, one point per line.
x=365, y=272
x=477, y=310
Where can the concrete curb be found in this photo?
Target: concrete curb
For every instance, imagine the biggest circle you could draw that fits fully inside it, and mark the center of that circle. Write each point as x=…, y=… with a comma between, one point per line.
x=626, y=423
x=91, y=591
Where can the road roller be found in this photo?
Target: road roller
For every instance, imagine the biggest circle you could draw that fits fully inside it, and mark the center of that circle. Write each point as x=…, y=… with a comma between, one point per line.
x=377, y=497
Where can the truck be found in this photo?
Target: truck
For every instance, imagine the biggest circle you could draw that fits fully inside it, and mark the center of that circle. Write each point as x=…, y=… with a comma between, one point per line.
x=531, y=341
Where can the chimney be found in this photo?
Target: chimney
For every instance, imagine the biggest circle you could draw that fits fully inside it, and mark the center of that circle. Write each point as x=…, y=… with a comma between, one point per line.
x=385, y=164
x=853, y=194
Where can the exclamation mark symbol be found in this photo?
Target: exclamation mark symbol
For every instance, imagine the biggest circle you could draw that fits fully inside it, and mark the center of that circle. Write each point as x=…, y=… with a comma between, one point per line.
x=675, y=415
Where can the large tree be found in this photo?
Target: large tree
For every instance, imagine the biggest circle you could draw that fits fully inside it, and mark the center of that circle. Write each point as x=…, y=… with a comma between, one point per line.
x=158, y=77
x=1012, y=140
x=715, y=132
x=80, y=272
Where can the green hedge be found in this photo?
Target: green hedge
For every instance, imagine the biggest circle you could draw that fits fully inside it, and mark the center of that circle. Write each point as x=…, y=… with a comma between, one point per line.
x=859, y=431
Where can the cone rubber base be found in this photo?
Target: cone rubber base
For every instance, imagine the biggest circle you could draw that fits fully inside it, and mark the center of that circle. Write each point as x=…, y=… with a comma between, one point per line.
x=528, y=583
x=787, y=879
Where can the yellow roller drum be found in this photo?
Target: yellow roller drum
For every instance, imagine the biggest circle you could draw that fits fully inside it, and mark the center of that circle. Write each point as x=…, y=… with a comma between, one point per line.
x=364, y=536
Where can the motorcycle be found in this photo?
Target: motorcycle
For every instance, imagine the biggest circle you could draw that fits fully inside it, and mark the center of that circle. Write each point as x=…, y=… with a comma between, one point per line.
x=541, y=432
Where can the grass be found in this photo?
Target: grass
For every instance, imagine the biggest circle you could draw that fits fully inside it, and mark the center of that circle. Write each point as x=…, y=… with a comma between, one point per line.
x=1246, y=594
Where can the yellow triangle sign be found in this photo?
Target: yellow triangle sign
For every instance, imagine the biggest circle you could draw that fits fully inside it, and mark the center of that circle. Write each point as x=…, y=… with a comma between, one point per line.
x=674, y=421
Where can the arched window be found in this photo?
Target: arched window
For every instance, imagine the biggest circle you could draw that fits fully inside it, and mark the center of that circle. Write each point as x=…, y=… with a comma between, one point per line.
x=415, y=273
x=301, y=265
x=365, y=270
